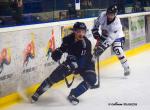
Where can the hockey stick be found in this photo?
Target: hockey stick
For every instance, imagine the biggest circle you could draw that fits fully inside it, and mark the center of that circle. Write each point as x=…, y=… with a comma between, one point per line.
x=67, y=83
x=66, y=80
x=98, y=75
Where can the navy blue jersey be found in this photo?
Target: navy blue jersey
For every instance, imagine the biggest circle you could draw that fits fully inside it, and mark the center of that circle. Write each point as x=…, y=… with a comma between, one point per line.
x=77, y=48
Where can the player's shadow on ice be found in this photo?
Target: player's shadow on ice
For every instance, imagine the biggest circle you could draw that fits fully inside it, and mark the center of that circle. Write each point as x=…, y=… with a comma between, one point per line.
x=53, y=100
x=114, y=77
x=48, y=101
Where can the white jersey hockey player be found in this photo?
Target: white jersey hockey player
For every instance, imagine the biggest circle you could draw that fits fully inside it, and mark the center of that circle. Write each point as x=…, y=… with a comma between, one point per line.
x=111, y=34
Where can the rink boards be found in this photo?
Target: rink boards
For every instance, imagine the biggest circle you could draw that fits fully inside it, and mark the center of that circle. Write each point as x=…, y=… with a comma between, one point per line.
x=25, y=60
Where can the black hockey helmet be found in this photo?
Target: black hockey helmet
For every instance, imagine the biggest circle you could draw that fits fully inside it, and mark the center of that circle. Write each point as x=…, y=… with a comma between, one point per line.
x=112, y=9
x=79, y=25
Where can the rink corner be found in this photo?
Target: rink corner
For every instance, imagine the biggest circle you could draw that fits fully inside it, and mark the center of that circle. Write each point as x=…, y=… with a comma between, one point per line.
x=14, y=98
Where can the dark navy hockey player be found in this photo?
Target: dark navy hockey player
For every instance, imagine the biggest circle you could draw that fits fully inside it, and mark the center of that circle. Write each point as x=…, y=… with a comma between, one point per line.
x=79, y=59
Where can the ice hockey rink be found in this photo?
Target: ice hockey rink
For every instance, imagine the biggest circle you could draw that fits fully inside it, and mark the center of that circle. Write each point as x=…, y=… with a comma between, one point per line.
x=115, y=93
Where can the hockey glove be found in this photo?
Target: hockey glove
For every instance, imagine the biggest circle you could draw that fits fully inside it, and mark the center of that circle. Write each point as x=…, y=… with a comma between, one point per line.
x=95, y=33
x=102, y=45
x=98, y=50
x=72, y=62
x=56, y=54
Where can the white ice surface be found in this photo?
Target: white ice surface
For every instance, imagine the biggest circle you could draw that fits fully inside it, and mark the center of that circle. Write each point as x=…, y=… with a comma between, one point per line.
x=114, y=88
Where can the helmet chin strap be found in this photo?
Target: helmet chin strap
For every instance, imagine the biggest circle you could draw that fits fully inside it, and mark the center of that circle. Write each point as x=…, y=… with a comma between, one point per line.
x=109, y=22
x=77, y=38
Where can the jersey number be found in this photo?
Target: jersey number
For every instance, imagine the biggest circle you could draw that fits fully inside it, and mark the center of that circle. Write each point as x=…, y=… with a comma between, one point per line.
x=117, y=52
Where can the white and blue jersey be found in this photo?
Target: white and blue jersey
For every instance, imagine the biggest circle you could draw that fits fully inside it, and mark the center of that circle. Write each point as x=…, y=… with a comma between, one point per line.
x=112, y=30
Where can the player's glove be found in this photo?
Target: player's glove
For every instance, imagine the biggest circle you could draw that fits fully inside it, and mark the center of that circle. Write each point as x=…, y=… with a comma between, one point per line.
x=56, y=54
x=95, y=33
x=98, y=50
x=72, y=61
x=102, y=44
